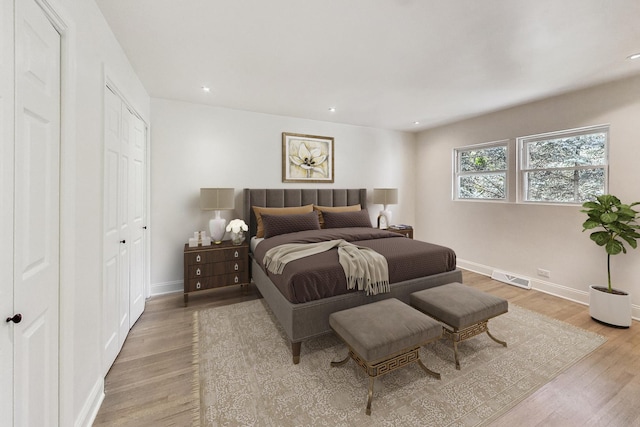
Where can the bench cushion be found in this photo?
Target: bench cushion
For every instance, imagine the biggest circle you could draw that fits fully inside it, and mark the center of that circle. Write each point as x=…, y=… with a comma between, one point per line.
x=458, y=305
x=378, y=330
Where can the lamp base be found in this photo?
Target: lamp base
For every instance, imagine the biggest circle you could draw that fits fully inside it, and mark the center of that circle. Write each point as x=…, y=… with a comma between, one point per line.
x=217, y=227
x=384, y=219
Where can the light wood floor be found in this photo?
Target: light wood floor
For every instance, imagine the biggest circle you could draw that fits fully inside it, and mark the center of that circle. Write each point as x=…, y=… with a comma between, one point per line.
x=151, y=381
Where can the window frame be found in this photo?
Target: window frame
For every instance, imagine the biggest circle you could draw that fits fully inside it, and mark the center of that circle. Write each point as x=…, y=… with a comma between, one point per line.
x=523, y=168
x=458, y=173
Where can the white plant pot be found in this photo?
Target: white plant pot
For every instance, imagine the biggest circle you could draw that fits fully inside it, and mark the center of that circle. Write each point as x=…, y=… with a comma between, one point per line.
x=610, y=308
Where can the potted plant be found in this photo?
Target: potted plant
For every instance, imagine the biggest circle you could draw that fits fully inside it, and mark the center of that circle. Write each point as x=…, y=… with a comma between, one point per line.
x=615, y=225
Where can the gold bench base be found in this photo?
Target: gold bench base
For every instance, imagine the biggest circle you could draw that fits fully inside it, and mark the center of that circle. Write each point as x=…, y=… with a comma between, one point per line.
x=385, y=366
x=458, y=335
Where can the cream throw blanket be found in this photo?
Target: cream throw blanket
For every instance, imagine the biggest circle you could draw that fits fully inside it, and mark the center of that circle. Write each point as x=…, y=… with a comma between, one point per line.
x=364, y=268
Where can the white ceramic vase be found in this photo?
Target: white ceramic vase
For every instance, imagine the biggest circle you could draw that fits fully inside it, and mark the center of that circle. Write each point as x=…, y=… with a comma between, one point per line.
x=613, y=309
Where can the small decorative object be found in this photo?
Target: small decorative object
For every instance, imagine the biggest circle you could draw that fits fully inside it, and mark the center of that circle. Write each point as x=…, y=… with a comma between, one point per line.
x=199, y=238
x=216, y=199
x=307, y=158
x=617, y=224
x=237, y=228
x=384, y=197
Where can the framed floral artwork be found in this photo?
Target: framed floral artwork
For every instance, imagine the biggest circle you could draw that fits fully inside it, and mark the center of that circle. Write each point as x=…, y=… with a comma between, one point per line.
x=307, y=158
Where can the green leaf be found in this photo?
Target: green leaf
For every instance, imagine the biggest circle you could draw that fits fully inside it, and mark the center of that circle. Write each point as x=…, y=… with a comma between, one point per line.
x=589, y=224
x=630, y=240
x=600, y=237
x=591, y=205
x=608, y=217
x=614, y=247
x=607, y=200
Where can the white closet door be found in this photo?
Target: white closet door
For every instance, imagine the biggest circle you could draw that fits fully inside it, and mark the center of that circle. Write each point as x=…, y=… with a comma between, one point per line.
x=124, y=220
x=137, y=219
x=6, y=211
x=36, y=223
x=124, y=228
x=111, y=242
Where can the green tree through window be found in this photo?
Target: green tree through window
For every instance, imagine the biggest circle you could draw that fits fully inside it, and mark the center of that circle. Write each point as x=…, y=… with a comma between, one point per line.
x=564, y=167
x=481, y=172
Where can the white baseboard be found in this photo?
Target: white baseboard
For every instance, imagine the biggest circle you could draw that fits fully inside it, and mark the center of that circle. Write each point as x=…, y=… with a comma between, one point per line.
x=167, y=288
x=555, y=289
x=91, y=406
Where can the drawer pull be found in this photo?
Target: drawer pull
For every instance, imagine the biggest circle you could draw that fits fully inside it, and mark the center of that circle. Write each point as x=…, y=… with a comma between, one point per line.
x=197, y=272
x=198, y=285
x=198, y=259
x=235, y=267
x=236, y=280
x=235, y=254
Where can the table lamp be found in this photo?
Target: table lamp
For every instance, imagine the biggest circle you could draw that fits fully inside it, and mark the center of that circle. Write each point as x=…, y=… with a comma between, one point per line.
x=385, y=197
x=217, y=199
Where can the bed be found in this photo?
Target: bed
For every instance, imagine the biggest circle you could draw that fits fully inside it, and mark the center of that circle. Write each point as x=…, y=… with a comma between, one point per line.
x=303, y=310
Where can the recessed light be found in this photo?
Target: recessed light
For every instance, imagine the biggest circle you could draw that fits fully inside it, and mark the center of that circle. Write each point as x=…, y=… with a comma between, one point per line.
x=206, y=89
x=416, y=122
x=634, y=56
x=332, y=109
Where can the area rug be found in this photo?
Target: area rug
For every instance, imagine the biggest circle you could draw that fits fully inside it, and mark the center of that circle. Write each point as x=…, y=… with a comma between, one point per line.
x=247, y=376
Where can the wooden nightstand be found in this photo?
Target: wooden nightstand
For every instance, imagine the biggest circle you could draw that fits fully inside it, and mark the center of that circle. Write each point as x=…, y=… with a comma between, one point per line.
x=406, y=231
x=215, y=266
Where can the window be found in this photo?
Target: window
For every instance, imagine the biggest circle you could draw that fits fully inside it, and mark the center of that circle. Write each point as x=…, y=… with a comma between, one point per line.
x=564, y=167
x=481, y=172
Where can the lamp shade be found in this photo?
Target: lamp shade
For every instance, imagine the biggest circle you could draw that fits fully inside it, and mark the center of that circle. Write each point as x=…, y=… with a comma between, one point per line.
x=385, y=196
x=213, y=199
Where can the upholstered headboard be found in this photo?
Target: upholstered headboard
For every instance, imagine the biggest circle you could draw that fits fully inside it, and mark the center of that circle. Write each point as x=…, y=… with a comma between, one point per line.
x=285, y=197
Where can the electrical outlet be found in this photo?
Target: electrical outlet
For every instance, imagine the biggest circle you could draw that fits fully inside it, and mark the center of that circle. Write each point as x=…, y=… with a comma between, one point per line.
x=544, y=273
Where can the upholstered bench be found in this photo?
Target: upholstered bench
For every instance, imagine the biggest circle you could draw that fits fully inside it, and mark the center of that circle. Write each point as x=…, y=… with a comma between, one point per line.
x=384, y=336
x=465, y=311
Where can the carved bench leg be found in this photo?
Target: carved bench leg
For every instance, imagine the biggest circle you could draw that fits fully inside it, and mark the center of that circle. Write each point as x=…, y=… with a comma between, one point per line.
x=496, y=339
x=370, y=395
x=341, y=362
x=455, y=354
x=435, y=375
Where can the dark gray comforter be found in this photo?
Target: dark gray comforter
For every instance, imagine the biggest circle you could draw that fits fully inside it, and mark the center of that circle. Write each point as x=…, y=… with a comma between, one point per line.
x=320, y=276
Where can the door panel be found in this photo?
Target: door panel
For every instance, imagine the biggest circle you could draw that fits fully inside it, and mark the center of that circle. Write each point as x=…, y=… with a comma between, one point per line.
x=137, y=231
x=125, y=241
x=36, y=223
x=111, y=251
x=6, y=211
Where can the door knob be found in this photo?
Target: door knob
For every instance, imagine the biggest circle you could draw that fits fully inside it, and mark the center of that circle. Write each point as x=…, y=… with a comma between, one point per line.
x=123, y=241
x=15, y=319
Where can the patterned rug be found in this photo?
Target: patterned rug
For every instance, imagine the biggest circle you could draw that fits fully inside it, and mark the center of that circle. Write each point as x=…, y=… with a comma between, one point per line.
x=247, y=377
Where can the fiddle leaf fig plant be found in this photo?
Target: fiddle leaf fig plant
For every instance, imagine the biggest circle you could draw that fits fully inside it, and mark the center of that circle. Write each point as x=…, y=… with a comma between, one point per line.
x=615, y=223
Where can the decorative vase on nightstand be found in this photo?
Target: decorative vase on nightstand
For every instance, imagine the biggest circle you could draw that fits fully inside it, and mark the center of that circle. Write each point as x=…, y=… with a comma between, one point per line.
x=237, y=228
x=237, y=237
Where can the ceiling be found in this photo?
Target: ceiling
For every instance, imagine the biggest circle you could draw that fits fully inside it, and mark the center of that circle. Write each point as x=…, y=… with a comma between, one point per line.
x=383, y=63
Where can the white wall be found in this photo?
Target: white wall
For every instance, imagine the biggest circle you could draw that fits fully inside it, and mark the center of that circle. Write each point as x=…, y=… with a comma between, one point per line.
x=196, y=146
x=88, y=48
x=521, y=238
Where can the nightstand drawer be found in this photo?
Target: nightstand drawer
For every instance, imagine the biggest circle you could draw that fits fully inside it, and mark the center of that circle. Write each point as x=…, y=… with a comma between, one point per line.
x=217, y=268
x=215, y=255
x=217, y=281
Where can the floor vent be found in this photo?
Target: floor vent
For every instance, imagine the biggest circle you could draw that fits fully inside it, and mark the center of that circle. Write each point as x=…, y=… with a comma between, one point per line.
x=511, y=279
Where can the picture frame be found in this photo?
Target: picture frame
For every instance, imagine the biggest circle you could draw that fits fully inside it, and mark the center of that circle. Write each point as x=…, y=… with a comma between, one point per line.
x=307, y=158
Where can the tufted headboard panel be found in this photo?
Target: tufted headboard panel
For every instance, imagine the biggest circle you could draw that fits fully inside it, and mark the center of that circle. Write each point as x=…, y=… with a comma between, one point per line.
x=285, y=197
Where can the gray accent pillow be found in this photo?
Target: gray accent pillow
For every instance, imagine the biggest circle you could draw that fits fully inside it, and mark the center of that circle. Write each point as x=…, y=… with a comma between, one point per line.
x=346, y=219
x=275, y=225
